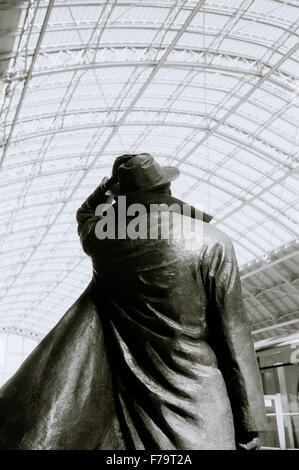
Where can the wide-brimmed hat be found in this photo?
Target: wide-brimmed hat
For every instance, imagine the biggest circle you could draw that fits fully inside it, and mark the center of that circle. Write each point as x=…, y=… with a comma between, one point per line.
x=142, y=172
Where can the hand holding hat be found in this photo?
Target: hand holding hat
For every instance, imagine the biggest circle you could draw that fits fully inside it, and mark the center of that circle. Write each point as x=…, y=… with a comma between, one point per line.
x=139, y=172
x=108, y=183
x=119, y=161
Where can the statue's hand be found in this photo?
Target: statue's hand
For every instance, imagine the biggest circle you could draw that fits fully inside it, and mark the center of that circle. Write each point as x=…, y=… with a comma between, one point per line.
x=254, y=444
x=104, y=180
x=119, y=161
x=108, y=183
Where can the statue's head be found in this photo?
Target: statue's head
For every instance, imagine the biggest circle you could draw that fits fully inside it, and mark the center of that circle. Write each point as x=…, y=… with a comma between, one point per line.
x=143, y=173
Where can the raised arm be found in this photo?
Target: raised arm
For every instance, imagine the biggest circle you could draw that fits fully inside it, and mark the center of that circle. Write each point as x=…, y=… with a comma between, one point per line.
x=86, y=217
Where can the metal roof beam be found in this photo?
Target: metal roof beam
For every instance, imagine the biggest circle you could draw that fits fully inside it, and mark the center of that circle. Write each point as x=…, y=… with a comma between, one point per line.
x=156, y=4
x=75, y=47
x=276, y=272
x=109, y=165
x=53, y=271
x=212, y=8
x=46, y=283
x=38, y=293
x=131, y=25
x=24, y=332
x=293, y=171
x=23, y=302
x=229, y=70
x=150, y=63
x=28, y=77
x=249, y=147
x=243, y=100
x=277, y=325
x=253, y=136
x=257, y=304
x=155, y=70
x=276, y=287
x=258, y=105
x=270, y=264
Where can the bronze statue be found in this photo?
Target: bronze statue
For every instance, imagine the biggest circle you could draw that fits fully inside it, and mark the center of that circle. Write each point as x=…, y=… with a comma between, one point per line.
x=156, y=353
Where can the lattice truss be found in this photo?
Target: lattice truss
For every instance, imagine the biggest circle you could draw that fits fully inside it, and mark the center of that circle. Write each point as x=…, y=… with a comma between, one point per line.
x=207, y=86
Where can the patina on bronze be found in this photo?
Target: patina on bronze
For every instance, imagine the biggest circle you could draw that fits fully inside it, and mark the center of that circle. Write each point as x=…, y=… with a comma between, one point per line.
x=155, y=354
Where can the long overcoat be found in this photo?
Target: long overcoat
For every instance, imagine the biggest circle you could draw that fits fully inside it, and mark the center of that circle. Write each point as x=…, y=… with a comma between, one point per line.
x=155, y=354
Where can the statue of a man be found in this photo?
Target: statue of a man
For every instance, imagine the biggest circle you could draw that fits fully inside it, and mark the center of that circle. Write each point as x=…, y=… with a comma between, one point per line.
x=183, y=365
x=157, y=352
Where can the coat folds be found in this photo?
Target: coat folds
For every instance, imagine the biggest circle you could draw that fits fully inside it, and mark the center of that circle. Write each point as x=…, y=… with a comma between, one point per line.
x=155, y=354
x=61, y=397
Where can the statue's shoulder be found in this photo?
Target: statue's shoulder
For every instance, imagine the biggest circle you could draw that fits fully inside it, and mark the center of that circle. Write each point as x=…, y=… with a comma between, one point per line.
x=216, y=239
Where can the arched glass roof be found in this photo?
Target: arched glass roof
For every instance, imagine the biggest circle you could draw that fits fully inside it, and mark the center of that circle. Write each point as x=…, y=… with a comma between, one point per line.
x=208, y=86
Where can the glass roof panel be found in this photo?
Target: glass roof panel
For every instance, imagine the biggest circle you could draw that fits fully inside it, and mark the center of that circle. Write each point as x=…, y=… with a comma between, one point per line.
x=215, y=95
